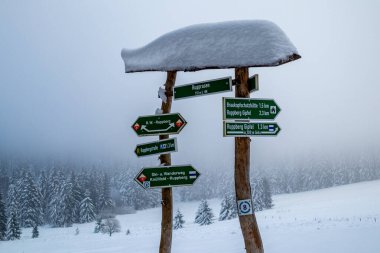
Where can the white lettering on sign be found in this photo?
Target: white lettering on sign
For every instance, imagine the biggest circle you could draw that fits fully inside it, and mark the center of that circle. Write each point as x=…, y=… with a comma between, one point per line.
x=148, y=150
x=238, y=113
x=160, y=122
x=242, y=105
x=200, y=86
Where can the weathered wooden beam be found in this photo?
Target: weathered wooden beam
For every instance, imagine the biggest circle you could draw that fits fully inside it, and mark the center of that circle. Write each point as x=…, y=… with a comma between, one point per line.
x=248, y=223
x=165, y=159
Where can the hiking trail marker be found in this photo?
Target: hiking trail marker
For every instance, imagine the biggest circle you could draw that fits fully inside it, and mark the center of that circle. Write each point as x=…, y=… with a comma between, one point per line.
x=249, y=109
x=167, y=176
x=171, y=123
x=203, y=88
x=156, y=147
x=244, y=207
x=244, y=129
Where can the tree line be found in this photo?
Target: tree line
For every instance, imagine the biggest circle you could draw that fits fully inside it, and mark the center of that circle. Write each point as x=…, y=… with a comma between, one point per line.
x=58, y=195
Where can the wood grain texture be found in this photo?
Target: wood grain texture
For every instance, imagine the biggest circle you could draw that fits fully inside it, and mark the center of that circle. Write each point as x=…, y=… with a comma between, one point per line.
x=167, y=195
x=248, y=223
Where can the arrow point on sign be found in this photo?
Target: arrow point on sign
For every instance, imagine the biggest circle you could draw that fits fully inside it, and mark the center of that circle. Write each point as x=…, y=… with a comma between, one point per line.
x=136, y=126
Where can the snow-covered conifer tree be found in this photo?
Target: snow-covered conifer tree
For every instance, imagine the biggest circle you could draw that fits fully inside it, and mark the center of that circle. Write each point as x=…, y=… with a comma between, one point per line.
x=35, y=232
x=4, y=179
x=12, y=203
x=98, y=225
x=94, y=189
x=204, y=215
x=267, y=195
x=134, y=196
x=228, y=208
x=258, y=195
x=77, y=195
x=3, y=219
x=43, y=187
x=178, y=220
x=30, y=201
x=105, y=200
x=67, y=203
x=87, y=212
x=55, y=209
x=13, y=227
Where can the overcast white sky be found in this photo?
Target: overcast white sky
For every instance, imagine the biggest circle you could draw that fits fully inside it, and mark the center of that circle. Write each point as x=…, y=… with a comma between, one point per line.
x=63, y=89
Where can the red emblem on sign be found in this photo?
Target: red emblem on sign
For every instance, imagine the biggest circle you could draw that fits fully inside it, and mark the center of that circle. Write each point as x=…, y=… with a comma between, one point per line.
x=179, y=123
x=142, y=178
x=136, y=127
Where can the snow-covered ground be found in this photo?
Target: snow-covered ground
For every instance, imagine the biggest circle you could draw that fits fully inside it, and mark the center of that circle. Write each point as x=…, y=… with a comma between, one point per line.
x=341, y=219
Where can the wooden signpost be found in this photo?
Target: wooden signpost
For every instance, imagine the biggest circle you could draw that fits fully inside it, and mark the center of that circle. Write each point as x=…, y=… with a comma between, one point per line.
x=165, y=159
x=248, y=223
x=237, y=112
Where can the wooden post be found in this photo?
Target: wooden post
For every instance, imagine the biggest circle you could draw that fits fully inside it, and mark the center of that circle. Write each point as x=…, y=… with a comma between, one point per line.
x=167, y=196
x=248, y=223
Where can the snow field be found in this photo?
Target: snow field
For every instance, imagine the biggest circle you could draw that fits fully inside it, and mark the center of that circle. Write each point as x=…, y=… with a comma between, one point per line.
x=340, y=219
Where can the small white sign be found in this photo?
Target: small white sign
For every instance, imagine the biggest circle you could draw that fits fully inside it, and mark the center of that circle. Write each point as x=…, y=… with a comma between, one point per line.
x=244, y=207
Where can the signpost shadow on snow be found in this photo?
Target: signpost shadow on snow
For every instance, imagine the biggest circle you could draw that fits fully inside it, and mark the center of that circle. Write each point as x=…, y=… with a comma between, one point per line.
x=234, y=44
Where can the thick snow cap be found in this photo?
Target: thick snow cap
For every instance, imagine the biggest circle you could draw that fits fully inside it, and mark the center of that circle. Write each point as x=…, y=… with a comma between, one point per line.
x=249, y=43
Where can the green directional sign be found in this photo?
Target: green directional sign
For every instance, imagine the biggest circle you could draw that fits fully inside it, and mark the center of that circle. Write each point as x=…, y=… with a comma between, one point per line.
x=156, y=147
x=167, y=176
x=249, y=108
x=253, y=83
x=236, y=129
x=203, y=88
x=171, y=123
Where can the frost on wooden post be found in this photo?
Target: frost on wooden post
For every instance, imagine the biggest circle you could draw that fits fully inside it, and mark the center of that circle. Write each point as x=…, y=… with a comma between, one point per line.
x=158, y=111
x=162, y=95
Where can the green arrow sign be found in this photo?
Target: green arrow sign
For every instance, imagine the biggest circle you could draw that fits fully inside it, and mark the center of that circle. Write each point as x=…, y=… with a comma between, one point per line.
x=156, y=147
x=171, y=123
x=249, y=108
x=250, y=129
x=203, y=88
x=253, y=83
x=167, y=176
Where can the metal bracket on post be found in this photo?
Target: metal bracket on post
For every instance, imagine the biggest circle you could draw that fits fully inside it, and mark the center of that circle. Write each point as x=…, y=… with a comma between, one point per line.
x=253, y=83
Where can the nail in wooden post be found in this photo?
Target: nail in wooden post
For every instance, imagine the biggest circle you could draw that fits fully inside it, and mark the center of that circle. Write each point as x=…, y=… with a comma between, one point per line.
x=167, y=196
x=248, y=223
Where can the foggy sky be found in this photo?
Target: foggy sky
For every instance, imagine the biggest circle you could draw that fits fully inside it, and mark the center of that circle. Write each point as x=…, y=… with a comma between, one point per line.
x=63, y=90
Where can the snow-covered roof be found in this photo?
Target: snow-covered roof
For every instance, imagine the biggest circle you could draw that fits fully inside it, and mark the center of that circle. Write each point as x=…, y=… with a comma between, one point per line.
x=249, y=43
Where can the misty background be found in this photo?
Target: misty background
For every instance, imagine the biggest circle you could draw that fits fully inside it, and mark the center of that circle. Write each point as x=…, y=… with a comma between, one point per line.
x=64, y=93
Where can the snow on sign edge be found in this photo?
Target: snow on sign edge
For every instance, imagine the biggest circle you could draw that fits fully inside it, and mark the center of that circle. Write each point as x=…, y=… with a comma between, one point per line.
x=248, y=43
